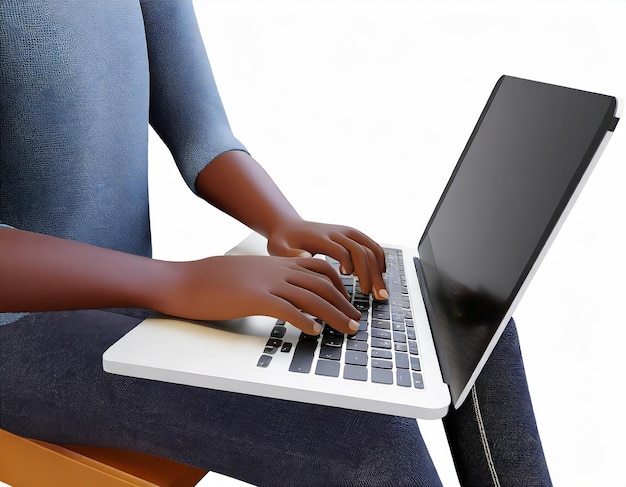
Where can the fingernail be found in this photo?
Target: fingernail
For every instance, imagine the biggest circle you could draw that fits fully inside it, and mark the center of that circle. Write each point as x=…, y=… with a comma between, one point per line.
x=317, y=328
x=342, y=269
x=383, y=294
x=353, y=325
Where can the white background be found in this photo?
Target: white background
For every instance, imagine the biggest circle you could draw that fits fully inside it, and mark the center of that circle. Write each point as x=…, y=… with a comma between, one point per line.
x=333, y=96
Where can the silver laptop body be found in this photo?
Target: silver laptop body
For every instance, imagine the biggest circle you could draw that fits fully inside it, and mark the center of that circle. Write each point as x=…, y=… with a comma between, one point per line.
x=526, y=161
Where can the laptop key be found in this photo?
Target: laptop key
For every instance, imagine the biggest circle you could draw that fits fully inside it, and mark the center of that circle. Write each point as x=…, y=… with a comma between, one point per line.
x=402, y=360
x=264, y=361
x=399, y=337
x=380, y=306
x=329, y=368
x=379, y=363
x=383, y=325
x=356, y=358
x=418, y=380
x=272, y=345
x=303, y=356
x=382, y=376
x=378, y=333
x=358, y=346
x=332, y=341
x=278, y=331
x=359, y=336
x=380, y=343
x=397, y=318
x=400, y=347
x=403, y=377
x=378, y=353
x=381, y=314
x=328, y=330
x=355, y=372
x=330, y=353
x=415, y=364
x=399, y=326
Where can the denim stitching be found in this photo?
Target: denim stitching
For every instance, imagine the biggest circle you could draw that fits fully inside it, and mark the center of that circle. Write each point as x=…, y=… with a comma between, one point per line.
x=483, y=439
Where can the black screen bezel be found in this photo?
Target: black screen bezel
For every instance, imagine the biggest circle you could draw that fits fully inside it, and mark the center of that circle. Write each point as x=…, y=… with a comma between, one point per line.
x=457, y=372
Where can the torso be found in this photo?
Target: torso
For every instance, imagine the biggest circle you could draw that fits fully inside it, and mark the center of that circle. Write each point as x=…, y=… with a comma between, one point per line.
x=74, y=101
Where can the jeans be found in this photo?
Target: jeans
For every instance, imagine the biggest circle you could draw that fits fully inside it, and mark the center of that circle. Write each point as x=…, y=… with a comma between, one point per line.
x=53, y=388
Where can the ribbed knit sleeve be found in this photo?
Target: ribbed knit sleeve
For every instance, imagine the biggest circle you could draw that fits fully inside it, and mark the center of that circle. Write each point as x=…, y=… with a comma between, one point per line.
x=185, y=107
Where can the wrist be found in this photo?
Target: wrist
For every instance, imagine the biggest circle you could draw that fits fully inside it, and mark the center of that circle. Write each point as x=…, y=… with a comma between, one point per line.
x=281, y=223
x=159, y=285
x=236, y=184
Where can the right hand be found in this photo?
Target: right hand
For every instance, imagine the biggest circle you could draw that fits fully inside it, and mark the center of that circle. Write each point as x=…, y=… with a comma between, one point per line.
x=289, y=289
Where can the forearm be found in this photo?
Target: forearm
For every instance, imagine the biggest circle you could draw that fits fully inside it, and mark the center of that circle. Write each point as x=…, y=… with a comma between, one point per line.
x=236, y=184
x=43, y=273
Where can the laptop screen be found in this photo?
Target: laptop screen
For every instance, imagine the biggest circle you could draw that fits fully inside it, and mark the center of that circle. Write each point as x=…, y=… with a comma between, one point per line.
x=524, y=159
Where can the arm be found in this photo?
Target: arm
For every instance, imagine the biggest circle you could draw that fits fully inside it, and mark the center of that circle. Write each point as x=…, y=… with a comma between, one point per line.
x=43, y=273
x=186, y=111
x=236, y=184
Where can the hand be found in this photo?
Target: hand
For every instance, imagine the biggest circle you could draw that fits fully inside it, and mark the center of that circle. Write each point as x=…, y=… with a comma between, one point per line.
x=229, y=287
x=356, y=252
x=236, y=184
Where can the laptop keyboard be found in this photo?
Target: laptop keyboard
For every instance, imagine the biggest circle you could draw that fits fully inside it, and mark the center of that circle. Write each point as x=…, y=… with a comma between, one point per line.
x=383, y=351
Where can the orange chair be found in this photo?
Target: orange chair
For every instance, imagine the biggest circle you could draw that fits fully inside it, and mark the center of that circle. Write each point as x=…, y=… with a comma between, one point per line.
x=32, y=463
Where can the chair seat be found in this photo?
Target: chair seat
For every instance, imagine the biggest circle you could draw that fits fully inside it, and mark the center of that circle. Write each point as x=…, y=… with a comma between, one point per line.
x=34, y=463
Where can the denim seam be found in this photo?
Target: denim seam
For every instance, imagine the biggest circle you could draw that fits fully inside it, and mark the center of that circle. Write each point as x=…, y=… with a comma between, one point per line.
x=483, y=439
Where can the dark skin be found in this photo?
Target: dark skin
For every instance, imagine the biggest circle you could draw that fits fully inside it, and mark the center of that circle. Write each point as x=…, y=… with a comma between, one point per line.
x=43, y=273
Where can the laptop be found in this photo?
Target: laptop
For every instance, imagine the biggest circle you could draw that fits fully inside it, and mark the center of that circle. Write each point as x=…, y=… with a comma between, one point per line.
x=420, y=352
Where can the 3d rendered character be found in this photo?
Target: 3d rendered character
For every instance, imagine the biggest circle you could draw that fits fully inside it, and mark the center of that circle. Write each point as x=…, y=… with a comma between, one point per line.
x=80, y=81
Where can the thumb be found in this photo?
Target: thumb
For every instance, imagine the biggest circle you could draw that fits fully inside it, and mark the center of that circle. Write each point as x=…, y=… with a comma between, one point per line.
x=281, y=248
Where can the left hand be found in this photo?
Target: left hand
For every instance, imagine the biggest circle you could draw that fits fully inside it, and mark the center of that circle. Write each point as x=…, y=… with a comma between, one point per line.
x=355, y=251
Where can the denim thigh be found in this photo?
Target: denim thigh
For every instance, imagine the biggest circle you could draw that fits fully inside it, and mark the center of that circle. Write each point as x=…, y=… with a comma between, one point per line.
x=493, y=436
x=53, y=388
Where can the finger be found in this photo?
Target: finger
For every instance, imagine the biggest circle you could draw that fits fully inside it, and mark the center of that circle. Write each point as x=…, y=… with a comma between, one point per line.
x=311, y=303
x=280, y=247
x=360, y=261
x=339, y=252
x=367, y=242
x=283, y=309
x=321, y=286
x=321, y=267
x=367, y=267
x=379, y=289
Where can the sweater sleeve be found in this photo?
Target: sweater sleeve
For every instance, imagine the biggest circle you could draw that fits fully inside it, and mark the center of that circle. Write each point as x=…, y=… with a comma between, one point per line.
x=185, y=107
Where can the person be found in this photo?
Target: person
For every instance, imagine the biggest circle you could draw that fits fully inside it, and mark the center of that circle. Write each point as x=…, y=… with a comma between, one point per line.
x=80, y=82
